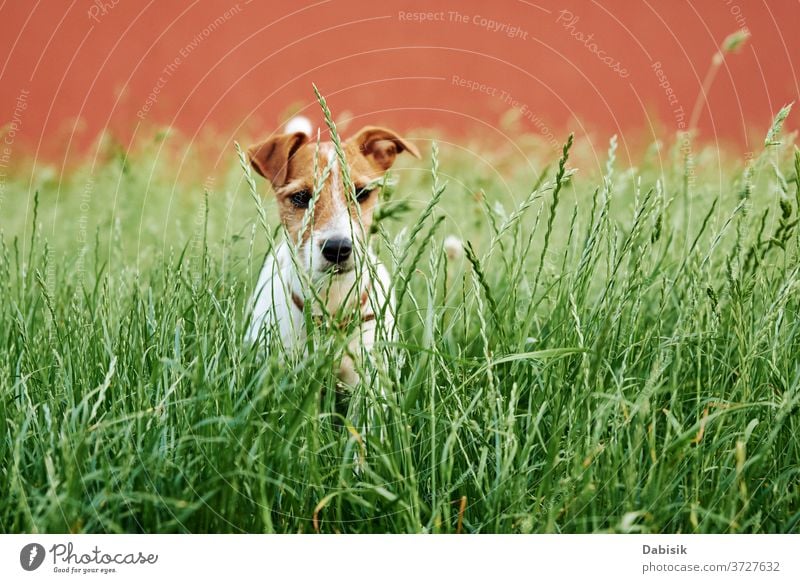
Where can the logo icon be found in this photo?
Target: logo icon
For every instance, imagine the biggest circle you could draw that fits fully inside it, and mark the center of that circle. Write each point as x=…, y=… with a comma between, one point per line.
x=31, y=556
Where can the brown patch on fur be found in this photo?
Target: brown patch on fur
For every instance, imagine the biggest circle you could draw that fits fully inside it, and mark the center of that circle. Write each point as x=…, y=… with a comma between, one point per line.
x=381, y=146
x=271, y=158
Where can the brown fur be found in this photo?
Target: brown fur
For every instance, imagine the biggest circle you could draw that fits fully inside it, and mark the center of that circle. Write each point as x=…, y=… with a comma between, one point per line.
x=287, y=161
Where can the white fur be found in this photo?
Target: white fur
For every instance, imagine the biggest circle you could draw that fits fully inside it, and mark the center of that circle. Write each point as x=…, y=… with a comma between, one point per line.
x=300, y=124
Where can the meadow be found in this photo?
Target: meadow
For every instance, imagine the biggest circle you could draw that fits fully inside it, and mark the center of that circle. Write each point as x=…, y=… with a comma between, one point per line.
x=585, y=346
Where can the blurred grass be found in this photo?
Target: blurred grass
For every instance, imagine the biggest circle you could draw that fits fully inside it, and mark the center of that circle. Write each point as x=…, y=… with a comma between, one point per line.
x=621, y=357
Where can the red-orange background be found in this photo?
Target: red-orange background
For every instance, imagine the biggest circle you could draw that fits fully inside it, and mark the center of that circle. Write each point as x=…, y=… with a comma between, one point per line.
x=87, y=74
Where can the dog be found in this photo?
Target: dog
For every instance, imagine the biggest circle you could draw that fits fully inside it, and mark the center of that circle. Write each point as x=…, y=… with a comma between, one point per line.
x=325, y=268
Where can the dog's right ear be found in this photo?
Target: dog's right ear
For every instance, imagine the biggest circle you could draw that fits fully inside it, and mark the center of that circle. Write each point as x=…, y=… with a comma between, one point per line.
x=271, y=158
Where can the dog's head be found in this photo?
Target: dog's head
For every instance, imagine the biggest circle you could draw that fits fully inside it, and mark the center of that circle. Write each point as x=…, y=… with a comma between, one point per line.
x=328, y=241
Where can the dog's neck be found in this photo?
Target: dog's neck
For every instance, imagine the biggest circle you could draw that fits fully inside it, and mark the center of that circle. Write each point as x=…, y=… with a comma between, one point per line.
x=337, y=291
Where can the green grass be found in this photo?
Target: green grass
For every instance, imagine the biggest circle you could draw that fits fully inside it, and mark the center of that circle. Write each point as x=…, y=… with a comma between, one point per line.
x=616, y=350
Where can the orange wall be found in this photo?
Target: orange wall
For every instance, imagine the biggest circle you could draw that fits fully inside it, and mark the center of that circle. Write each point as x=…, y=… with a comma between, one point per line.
x=97, y=62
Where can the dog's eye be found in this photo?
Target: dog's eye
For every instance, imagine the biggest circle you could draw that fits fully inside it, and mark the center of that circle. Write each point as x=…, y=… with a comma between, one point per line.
x=363, y=192
x=301, y=199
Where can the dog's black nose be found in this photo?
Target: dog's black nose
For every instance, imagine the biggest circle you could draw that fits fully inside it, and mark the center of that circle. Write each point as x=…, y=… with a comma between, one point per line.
x=337, y=250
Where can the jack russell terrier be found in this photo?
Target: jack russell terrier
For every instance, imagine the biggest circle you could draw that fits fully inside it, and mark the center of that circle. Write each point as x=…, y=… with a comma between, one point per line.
x=325, y=267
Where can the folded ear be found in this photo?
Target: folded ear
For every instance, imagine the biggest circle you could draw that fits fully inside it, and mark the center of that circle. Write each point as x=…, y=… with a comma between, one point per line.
x=382, y=145
x=271, y=158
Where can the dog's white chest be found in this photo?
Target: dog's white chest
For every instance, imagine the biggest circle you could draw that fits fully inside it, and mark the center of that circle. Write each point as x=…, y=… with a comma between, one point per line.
x=278, y=300
x=271, y=302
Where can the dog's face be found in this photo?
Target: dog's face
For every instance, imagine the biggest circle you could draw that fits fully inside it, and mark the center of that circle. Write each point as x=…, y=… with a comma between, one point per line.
x=328, y=242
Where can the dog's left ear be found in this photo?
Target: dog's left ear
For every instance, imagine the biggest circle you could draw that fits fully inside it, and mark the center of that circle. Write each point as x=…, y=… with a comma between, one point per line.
x=382, y=145
x=271, y=158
